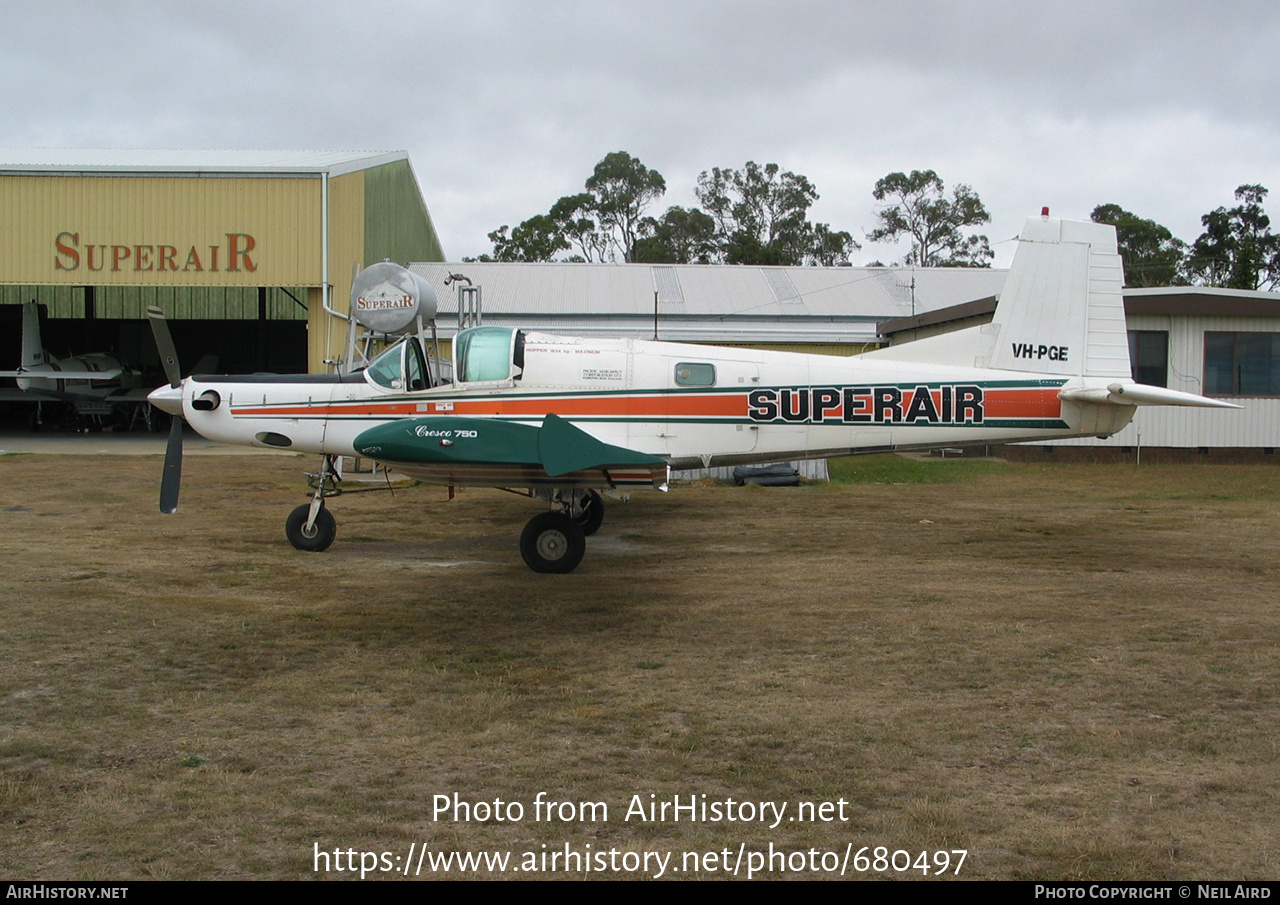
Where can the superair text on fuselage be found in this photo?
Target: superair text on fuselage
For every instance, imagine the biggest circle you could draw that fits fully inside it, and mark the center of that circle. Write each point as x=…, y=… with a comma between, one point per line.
x=946, y=404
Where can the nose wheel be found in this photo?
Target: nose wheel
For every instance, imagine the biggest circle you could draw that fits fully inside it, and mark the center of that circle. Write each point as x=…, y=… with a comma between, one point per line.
x=311, y=527
x=313, y=538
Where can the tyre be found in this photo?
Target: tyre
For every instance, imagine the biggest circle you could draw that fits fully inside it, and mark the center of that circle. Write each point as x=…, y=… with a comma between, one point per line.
x=552, y=542
x=592, y=513
x=319, y=537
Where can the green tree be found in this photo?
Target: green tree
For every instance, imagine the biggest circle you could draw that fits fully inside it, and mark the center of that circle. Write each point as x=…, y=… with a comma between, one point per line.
x=918, y=208
x=680, y=236
x=575, y=215
x=828, y=248
x=539, y=238
x=601, y=223
x=621, y=188
x=1152, y=255
x=762, y=217
x=1237, y=250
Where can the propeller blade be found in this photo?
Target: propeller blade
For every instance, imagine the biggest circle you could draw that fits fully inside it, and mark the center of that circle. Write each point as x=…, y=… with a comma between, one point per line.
x=169, y=483
x=164, y=345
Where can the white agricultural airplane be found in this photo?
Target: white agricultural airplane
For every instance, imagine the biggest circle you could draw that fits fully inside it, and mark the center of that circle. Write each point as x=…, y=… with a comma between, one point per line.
x=562, y=418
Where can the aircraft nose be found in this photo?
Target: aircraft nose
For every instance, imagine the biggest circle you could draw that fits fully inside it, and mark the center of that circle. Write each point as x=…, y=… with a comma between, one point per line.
x=167, y=399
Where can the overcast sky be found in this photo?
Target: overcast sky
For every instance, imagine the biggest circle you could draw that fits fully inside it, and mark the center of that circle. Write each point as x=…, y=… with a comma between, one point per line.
x=1161, y=107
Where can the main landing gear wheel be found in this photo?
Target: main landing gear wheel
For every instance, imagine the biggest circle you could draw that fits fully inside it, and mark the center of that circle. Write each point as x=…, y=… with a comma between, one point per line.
x=552, y=542
x=592, y=516
x=318, y=537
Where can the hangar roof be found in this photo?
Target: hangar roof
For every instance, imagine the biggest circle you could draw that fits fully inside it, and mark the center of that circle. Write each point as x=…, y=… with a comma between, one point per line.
x=176, y=162
x=704, y=302
x=1185, y=301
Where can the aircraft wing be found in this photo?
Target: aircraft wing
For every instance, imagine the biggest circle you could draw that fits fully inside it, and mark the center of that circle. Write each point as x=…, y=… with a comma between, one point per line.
x=118, y=396
x=65, y=375
x=445, y=449
x=13, y=394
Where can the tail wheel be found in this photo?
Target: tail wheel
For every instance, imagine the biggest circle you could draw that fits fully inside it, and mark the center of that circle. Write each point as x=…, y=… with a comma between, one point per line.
x=315, y=539
x=552, y=542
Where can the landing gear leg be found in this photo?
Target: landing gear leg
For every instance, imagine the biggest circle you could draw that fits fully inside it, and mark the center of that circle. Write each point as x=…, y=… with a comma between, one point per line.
x=312, y=527
x=587, y=509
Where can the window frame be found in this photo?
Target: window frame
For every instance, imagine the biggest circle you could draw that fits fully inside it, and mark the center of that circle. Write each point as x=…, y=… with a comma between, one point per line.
x=1241, y=363
x=1139, y=343
x=689, y=380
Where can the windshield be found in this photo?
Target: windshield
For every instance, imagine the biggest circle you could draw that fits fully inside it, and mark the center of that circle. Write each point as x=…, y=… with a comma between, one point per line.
x=385, y=369
x=401, y=361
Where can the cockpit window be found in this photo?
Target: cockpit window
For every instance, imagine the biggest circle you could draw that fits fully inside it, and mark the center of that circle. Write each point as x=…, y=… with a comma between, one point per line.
x=401, y=367
x=385, y=369
x=482, y=354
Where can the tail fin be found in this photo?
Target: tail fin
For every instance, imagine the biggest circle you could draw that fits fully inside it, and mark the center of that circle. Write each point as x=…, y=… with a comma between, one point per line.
x=33, y=352
x=1062, y=308
x=1061, y=311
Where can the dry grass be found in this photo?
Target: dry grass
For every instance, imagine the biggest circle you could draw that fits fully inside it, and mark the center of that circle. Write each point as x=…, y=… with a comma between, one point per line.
x=1069, y=671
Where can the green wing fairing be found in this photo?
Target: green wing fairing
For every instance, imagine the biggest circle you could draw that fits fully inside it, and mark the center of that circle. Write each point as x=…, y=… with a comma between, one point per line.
x=558, y=447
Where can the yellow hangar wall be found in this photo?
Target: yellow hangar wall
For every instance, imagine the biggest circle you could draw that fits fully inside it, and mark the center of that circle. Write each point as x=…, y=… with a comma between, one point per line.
x=201, y=245
x=326, y=334
x=157, y=230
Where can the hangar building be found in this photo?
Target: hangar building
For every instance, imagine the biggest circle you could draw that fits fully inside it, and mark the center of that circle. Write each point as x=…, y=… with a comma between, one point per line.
x=830, y=310
x=241, y=249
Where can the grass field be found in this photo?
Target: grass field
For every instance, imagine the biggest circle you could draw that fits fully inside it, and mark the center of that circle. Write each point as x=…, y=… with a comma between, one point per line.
x=1067, y=671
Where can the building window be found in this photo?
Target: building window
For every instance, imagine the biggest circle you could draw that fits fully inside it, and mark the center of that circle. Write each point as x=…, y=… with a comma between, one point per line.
x=1242, y=364
x=1149, y=357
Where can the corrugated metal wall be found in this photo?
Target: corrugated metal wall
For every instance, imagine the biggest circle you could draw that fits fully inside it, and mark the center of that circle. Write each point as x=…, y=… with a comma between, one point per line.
x=1257, y=425
x=396, y=223
x=177, y=302
x=62, y=301
x=161, y=230
x=200, y=246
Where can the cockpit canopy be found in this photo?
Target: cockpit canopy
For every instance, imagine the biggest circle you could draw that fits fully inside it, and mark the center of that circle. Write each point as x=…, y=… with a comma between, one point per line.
x=401, y=367
x=481, y=355
x=488, y=354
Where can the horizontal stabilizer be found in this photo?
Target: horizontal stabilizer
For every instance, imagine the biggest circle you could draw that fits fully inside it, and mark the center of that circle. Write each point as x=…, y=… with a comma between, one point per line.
x=1141, y=394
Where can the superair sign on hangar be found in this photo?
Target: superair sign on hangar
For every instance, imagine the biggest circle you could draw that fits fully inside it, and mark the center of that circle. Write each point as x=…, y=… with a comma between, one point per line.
x=167, y=230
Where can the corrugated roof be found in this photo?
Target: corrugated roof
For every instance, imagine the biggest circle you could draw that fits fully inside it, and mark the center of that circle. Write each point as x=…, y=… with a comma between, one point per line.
x=206, y=162
x=707, y=302
x=713, y=291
